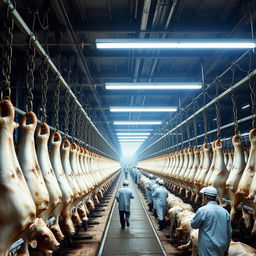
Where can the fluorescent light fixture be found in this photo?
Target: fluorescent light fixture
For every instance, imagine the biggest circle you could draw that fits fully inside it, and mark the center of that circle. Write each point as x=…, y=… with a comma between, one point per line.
x=153, y=86
x=246, y=106
x=137, y=122
x=132, y=130
x=132, y=140
x=135, y=137
x=132, y=134
x=130, y=143
x=174, y=44
x=143, y=109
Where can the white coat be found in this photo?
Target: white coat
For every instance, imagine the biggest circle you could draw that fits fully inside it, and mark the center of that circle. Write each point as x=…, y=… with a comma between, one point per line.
x=123, y=197
x=154, y=187
x=149, y=186
x=160, y=195
x=215, y=229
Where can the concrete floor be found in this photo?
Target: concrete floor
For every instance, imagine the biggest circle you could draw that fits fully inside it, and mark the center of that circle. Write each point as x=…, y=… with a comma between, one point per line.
x=138, y=239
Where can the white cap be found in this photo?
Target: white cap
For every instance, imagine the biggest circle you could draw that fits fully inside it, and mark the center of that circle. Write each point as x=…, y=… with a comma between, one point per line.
x=209, y=191
x=150, y=176
x=161, y=182
x=202, y=190
x=126, y=183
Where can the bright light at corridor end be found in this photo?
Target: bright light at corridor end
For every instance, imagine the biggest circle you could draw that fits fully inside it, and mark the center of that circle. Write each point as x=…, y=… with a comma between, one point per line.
x=137, y=122
x=174, y=44
x=153, y=86
x=142, y=109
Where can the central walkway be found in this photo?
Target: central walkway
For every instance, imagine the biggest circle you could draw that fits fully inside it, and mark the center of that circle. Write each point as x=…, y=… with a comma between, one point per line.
x=138, y=239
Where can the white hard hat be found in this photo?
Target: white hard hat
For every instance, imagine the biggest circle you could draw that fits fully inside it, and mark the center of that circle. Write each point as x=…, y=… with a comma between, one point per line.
x=126, y=183
x=209, y=191
x=161, y=182
x=150, y=176
x=158, y=179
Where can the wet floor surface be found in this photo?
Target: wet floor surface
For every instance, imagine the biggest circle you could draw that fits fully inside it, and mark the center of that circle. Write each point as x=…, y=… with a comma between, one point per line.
x=138, y=239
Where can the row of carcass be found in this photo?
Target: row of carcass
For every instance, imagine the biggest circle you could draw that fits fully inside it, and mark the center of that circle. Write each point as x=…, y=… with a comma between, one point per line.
x=39, y=183
x=180, y=215
x=187, y=171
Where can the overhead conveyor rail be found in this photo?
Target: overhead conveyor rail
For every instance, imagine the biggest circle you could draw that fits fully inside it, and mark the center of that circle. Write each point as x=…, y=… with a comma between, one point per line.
x=36, y=44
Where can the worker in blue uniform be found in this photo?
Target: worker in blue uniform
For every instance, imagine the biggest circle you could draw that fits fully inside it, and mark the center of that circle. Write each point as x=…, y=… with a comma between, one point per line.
x=214, y=225
x=138, y=176
x=126, y=172
x=154, y=187
x=160, y=195
x=149, y=185
x=123, y=197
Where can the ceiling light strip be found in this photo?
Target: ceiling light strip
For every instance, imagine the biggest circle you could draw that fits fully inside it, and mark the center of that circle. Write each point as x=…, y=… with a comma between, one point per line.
x=137, y=122
x=174, y=44
x=132, y=134
x=131, y=140
x=132, y=130
x=133, y=137
x=153, y=86
x=143, y=109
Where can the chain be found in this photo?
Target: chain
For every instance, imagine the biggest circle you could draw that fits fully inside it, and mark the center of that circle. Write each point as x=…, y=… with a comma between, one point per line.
x=188, y=134
x=67, y=108
x=205, y=119
x=77, y=125
x=7, y=55
x=217, y=108
x=181, y=130
x=86, y=132
x=177, y=139
x=74, y=122
x=66, y=121
x=56, y=102
x=93, y=139
x=79, y=130
x=172, y=140
x=234, y=109
x=195, y=123
x=253, y=100
x=30, y=80
x=205, y=127
x=168, y=141
x=187, y=128
x=83, y=130
x=44, y=77
x=89, y=136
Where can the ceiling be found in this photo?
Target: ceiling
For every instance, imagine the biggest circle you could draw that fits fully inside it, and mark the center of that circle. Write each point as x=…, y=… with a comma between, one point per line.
x=75, y=25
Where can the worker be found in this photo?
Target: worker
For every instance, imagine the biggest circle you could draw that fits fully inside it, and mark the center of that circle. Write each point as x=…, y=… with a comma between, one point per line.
x=126, y=172
x=123, y=197
x=154, y=187
x=160, y=195
x=138, y=176
x=149, y=185
x=213, y=222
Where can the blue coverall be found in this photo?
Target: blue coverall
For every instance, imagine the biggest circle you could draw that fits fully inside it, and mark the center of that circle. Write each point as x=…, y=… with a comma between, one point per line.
x=160, y=195
x=215, y=229
x=123, y=196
